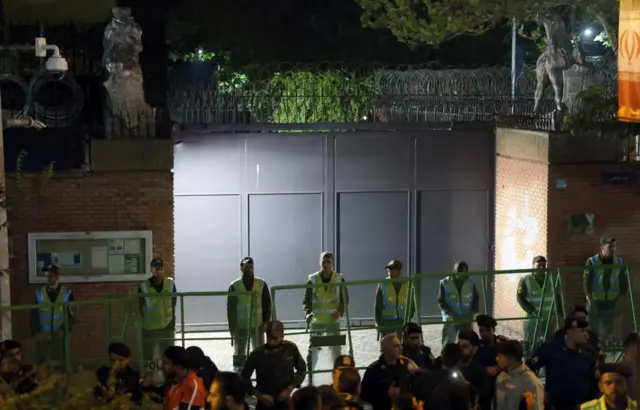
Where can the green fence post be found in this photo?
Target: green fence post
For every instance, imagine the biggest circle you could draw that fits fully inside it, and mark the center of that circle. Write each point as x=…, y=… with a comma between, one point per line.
x=182, y=329
x=345, y=296
x=107, y=319
x=632, y=301
x=67, y=337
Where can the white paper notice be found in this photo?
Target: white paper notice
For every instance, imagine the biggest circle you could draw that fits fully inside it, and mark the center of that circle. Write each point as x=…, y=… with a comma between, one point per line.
x=116, y=264
x=99, y=257
x=116, y=247
x=132, y=246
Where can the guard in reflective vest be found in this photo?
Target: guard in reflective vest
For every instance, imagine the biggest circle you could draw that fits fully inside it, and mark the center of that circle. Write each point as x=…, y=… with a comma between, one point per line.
x=603, y=286
x=324, y=305
x=530, y=295
x=614, y=385
x=157, y=309
x=458, y=299
x=48, y=322
x=247, y=318
x=392, y=301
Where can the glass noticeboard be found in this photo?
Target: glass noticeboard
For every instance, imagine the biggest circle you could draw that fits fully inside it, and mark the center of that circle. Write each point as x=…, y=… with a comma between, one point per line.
x=109, y=256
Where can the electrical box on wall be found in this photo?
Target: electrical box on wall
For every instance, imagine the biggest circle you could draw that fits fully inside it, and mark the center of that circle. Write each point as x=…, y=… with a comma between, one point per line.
x=85, y=257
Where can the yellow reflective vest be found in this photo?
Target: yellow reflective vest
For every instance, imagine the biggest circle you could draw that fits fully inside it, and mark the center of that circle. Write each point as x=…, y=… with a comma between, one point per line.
x=248, y=316
x=600, y=404
x=461, y=302
x=325, y=298
x=597, y=279
x=51, y=314
x=395, y=303
x=158, y=310
x=535, y=294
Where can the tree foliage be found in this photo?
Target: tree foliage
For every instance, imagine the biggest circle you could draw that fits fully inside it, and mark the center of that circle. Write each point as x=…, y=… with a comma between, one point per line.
x=434, y=22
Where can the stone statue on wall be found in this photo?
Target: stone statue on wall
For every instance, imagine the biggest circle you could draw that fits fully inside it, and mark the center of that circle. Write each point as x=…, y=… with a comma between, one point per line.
x=553, y=64
x=127, y=115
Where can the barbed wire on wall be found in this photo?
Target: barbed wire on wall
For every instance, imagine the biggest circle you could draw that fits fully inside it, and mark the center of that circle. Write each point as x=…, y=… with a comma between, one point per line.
x=353, y=93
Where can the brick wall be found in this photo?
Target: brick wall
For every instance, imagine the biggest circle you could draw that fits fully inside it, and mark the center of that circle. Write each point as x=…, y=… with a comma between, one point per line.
x=617, y=213
x=100, y=201
x=520, y=226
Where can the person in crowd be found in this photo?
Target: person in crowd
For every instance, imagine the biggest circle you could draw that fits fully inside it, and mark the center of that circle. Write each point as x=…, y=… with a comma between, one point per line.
x=570, y=367
x=404, y=402
x=488, y=342
x=48, y=322
x=349, y=388
x=330, y=399
x=413, y=348
x=279, y=369
x=630, y=359
x=613, y=385
x=517, y=387
x=445, y=388
x=539, y=302
x=158, y=317
x=19, y=377
x=605, y=281
x=472, y=369
x=459, y=302
x=306, y=398
x=183, y=389
x=228, y=392
x=324, y=304
x=247, y=316
x=119, y=378
x=580, y=312
x=341, y=363
x=393, y=303
x=388, y=376
x=202, y=365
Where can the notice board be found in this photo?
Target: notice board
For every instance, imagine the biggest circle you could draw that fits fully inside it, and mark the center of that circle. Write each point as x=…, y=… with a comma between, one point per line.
x=105, y=256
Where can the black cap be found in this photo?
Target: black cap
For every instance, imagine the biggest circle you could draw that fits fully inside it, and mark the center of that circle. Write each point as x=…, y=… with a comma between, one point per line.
x=411, y=328
x=275, y=326
x=394, y=264
x=460, y=266
x=573, y=323
x=510, y=348
x=157, y=263
x=539, y=258
x=343, y=361
x=615, y=368
x=486, y=321
x=53, y=269
x=605, y=240
x=246, y=259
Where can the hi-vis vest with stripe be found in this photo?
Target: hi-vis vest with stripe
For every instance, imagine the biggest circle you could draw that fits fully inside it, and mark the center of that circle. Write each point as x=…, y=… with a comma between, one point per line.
x=597, y=279
x=325, y=299
x=535, y=294
x=461, y=302
x=600, y=404
x=51, y=314
x=248, y=318
x=158, y=310
x=394, y=303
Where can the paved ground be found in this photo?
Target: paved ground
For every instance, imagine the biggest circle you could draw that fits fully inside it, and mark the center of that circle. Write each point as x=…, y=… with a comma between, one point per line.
x=365, y=347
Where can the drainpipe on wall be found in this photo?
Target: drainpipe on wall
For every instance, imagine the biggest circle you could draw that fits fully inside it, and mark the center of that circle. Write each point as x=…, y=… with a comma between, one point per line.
x=5, y=283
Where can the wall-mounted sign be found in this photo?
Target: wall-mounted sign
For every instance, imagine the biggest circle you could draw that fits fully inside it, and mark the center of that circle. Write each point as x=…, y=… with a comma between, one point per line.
x=620, y=178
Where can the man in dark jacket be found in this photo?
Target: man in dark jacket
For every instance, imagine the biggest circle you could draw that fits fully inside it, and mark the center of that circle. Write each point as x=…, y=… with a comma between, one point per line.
x=413, y=348
x=279, y=369
x=118, y=379
x=20, y=378
x=202, y=365
x=472, y=369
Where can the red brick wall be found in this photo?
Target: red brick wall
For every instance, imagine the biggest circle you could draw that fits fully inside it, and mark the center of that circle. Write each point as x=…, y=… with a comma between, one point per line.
x=115, y=201
x=520, y=225
x=616, y=210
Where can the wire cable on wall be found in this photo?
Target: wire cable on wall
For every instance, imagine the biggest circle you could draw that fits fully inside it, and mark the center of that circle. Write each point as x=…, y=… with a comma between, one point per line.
x=57, y=115
x=22, y=84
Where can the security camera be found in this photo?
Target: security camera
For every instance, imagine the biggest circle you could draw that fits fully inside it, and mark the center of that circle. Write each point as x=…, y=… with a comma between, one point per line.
x=56, y=64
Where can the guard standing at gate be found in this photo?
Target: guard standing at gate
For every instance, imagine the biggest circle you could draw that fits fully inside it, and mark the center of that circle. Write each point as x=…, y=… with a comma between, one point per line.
x=458, y=299
x=48, y=322
x=529, y=296
x=157, y=306
x=247, y=316
x=603, y=286
x=324, y=304
x=393, y=302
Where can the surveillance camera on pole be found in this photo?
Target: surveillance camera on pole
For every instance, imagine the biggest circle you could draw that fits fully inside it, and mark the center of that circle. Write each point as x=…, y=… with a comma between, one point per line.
x=56, y=64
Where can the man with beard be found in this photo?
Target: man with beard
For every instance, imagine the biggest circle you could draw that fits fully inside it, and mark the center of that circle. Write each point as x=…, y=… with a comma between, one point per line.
x=413, y=348
x=571, y=366
x=614, y=385
x=488, y=343
x=279, y=369
x=119, y=378
x=517, y=386
x=228, y=392
x=20, y=378
x=472, y=369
